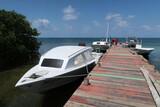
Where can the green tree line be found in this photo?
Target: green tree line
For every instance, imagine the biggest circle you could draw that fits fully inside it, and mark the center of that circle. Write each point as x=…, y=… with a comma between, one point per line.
x=18, y=42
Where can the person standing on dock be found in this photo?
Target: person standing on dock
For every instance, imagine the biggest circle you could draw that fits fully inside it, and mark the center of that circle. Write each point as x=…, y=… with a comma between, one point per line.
x=114, y=41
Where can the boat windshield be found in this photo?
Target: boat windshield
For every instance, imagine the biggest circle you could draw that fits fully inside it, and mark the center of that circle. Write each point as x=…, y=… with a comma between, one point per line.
x=76, y=61
x=56, y=63
x=88, y=56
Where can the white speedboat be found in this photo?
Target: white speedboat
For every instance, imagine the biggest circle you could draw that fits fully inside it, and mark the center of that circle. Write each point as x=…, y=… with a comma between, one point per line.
x=143, y=51
x=100, y=46
x=131, y=42
x=97, y=56
x=57, y=67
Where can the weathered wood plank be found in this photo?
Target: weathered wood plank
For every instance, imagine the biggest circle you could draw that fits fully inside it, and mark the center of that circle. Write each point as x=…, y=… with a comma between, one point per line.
x=117, y=82
x=153, y=89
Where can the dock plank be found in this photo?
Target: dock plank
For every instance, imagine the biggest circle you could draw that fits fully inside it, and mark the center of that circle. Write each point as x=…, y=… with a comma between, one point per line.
x=117, y=82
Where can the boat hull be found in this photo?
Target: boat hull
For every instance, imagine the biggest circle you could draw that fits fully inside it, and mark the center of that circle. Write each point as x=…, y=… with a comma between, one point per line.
x=55, y=82
x=131, y=45
x=144, y=53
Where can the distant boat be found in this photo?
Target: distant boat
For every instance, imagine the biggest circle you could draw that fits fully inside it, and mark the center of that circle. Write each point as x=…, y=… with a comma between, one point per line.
x=131, y=42
x=101, y=46
x=57, y=67
x=143, y=51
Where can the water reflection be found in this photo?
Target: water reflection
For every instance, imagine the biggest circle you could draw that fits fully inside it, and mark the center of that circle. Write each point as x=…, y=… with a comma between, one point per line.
x=53, y=98
x=154, y=59
x=59, y=96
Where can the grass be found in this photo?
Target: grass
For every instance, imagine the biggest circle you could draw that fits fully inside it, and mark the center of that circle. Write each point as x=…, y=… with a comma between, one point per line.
x=11, y=96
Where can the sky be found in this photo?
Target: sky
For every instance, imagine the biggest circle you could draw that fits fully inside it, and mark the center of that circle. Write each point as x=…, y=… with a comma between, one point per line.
x=89, y=18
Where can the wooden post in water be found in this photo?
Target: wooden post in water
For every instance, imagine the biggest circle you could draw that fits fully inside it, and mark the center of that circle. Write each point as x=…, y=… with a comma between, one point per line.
x=99, y=64
x=86, y=81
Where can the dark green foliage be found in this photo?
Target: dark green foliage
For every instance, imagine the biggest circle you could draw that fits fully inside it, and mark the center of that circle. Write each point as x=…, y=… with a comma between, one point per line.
x=18, y=44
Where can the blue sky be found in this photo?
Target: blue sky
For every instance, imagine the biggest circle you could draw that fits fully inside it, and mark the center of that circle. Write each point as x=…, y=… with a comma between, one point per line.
x=89, y=18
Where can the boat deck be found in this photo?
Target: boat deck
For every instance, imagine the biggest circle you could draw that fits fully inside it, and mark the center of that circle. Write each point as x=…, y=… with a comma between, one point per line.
x=118, y=81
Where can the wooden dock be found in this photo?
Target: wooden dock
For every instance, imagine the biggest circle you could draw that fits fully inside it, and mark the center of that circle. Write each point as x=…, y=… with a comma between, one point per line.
x=122, y=79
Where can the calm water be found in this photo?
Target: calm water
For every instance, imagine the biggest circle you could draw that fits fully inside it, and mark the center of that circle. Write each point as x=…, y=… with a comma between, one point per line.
x=53, y=98
x=48, y=43
x=58, y=97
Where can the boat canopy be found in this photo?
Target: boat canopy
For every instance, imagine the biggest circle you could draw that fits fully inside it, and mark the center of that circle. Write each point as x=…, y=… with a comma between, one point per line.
x=63, y=52
x=66, y=57
x=99, y=43
x=80, y=59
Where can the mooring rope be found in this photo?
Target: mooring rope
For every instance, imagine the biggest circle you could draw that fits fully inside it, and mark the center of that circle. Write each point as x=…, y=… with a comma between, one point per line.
x=71, y=76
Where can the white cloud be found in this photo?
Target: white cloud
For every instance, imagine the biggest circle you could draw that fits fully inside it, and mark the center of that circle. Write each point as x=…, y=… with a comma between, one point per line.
x=41, y=22
x=69, y=17
x=146, y=27
x=131, y=16
x=69, y=13
x=69, y=10
x=153, y=28
x=112, y=16
x=44, y=26
x=117, y=19
x=122, y=23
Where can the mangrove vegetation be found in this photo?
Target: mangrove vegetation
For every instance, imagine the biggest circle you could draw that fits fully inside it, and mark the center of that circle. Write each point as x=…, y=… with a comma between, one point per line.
x=18, y=43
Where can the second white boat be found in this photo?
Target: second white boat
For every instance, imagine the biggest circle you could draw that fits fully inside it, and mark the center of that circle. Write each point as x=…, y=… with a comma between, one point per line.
x=143, y=51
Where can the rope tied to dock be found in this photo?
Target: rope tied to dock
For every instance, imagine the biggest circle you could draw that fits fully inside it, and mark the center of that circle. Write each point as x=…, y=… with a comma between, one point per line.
x=72, y=76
